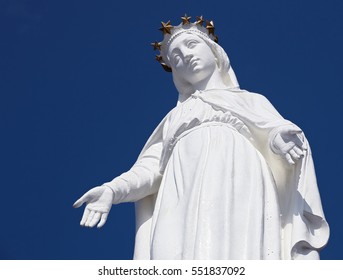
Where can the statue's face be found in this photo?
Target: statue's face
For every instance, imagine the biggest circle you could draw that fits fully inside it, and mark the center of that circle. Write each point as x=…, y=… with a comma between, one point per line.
x=191, y=58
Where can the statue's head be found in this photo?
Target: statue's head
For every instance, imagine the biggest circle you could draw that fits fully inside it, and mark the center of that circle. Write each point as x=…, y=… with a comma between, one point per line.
x=190, y=51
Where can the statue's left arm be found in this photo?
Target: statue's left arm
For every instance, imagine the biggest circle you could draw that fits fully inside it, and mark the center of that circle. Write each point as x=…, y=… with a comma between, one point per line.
x=304, y=228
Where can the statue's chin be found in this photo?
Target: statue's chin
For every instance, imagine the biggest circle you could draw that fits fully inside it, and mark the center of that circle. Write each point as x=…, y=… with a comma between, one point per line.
x=196, y=69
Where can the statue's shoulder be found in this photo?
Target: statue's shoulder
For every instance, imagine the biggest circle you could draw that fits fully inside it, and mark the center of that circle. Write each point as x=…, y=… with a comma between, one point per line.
x=250, y=96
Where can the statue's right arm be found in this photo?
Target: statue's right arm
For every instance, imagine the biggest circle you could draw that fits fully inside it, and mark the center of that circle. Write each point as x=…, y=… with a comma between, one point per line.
x=141, y=180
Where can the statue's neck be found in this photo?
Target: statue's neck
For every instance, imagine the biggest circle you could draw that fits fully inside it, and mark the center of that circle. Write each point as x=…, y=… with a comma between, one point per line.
x=213, y=82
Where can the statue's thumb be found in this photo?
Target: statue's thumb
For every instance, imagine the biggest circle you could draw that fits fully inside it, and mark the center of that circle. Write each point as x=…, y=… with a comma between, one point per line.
x=295, y=131
x=78, y=202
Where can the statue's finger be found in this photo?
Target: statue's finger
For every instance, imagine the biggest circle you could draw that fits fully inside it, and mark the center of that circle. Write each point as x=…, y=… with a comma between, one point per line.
x=289, y=159
x=103, y=220
x=297, y=140
x=89, y=219
x=288, y=146
x=298, y=151
x=85, y=216
x=294, y=154
x=77, y=203
x=81, y=200
x=95, y=219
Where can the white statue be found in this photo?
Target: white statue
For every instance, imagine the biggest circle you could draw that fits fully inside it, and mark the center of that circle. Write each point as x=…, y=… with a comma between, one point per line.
x=223, y=176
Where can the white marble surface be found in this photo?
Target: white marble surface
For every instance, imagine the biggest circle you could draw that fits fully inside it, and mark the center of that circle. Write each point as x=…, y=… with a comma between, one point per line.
x=223, y=176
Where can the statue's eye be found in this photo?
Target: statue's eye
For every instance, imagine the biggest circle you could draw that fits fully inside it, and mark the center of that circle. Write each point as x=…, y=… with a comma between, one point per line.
x=191, y=44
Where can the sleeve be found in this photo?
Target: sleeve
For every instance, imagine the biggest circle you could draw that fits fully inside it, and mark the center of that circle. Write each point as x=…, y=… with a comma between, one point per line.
x=141, y=180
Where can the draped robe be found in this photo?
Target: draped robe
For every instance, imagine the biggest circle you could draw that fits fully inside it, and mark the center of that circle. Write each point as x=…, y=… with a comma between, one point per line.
x=296, y=228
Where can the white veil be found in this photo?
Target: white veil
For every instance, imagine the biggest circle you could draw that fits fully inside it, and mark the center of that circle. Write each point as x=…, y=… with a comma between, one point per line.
x=224, y=65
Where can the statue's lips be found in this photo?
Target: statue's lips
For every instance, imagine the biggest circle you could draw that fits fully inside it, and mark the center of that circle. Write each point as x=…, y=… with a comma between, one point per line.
x=193, y=62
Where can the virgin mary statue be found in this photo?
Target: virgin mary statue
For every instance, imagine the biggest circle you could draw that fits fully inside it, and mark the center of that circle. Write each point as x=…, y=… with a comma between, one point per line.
x=224, y=175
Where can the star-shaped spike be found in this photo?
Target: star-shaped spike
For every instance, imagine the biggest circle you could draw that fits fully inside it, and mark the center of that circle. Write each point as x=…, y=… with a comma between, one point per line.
x=166, y=67
x=156, y=45
x=158, y=58
x=166, y=27
x=185, y=19
x=200, y=20
x=216, y=38
x=210, y=27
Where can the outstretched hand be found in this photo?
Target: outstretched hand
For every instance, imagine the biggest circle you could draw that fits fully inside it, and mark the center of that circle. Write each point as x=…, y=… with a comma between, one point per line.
x=99, y=202
x=290, y=143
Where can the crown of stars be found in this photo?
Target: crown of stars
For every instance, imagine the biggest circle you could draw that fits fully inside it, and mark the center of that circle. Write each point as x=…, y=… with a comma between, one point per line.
x=185, y=19
x=169, y=31
x=156, y=45
x=166, y=27
x=158, y=58
x=200, y=20
x=210, y=27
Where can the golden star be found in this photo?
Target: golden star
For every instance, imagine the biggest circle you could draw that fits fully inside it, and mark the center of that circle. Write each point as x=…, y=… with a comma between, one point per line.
x=156, y=45
x=185, y=19
x=166, y=27
x=200, y=20
x=158, y=58
x=166, y=67
x=210, y=27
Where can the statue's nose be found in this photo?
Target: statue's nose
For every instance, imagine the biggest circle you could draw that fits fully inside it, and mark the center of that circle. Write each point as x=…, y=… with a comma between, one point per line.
x=188, y=57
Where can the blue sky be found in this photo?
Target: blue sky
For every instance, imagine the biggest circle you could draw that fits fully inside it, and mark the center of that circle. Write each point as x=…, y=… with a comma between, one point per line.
x=81, y=93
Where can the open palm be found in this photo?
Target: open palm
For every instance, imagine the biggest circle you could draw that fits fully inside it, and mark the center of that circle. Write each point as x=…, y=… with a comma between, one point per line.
x=99, y=202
